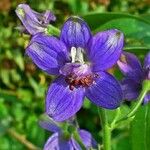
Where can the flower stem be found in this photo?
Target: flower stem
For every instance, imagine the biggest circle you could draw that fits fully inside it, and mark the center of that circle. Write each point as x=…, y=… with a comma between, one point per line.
x=22, y=139
x=136, y=48
x=115, y=118
x=105, y=128
x=145, y=89
x=51, y=30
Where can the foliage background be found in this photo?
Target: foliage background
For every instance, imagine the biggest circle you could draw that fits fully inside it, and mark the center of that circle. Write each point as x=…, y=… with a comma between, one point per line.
x=23, y=86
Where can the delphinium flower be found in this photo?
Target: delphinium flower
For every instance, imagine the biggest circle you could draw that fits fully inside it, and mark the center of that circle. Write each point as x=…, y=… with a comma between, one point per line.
x=33, y=22
x=135, y=74
x=64, y=140
x=80, y=61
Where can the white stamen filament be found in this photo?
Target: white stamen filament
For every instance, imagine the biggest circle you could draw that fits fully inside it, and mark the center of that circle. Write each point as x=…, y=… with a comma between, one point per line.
x=77, y=55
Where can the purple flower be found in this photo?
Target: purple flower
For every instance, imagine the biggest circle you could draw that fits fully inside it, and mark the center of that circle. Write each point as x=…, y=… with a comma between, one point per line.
x=80, y=61
x=59, y=141
x=33, y=22
x=134, y=75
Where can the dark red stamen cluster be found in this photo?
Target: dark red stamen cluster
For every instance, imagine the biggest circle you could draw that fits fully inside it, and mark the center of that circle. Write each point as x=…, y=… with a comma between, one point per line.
x=85, y=81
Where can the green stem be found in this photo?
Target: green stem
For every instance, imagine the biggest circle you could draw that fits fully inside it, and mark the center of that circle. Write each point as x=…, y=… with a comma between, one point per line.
x=145, y=89
x=136, y=48
x=8, y=92
x=78, y=139
x=115, y=118
x=105, y=129
x=51, y=30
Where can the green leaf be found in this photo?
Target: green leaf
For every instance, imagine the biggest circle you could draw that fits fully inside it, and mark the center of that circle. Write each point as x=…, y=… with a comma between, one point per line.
x=20, y=61
x=95, y=20
x=78, y=6
x=124, y=109
x=132, y=28
x=140, y=129
x=34, y=132
x=136, y=29
x=25, y=95
x=121, y=142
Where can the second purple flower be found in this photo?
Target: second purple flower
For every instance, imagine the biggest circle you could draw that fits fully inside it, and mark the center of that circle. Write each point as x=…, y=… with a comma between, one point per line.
x=80, y=61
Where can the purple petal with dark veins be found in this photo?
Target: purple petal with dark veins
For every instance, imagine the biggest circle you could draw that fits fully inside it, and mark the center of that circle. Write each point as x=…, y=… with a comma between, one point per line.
x=147, y=66
x=75, y=33
x=105, y=92
x=56, y=142
x=47, y=52
x=105, y=49
x=45, y=17
x=146, y=98
x=87, y=139
x=130, y=89
x=147, y=61
x=33, y=21
x=49, y=124
x=131, y=67
x=76, y=146
x=61, y=102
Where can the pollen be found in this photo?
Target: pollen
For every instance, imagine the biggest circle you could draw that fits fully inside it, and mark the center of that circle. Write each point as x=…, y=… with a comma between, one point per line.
x=85, y=81
x=21, y=12
x=123, y=58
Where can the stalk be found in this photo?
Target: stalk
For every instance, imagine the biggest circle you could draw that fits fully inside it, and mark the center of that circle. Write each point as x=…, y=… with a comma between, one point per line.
x=105, y=129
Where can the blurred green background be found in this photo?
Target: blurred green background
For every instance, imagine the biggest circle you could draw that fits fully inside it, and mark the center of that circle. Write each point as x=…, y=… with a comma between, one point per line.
x=23, y=85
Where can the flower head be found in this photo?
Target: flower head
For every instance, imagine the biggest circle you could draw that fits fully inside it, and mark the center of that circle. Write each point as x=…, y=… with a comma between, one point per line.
x=59, y=140
x=33, y=22
x=80, y=61
x=135, y=74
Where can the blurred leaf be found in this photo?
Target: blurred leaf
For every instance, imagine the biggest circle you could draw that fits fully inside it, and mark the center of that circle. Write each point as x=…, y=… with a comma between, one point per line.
x=95, y=20
x=34, y=130
x=135, y=28
x=38, y=88
x=25, y=95
x=78, y=6
x=15, y=76
x=140, y=129
x=132, y=28
x=8, y=96
x=3, y=109
x=122, y=142
x=20, y=61
x=4, y=74
x=18, y=112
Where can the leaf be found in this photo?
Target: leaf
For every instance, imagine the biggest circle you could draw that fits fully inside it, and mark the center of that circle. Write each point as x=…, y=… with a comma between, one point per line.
x=34, y=132
x=124, y=109
x=78, y=6
x=136, y=29
x=122, y=142
x=132, y=28
x=95, y=20
x=140, y=129
x=20, y=61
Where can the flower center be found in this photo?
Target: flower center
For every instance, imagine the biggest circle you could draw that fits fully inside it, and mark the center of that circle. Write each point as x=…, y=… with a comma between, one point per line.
x=78, y=73
x=84, y=81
